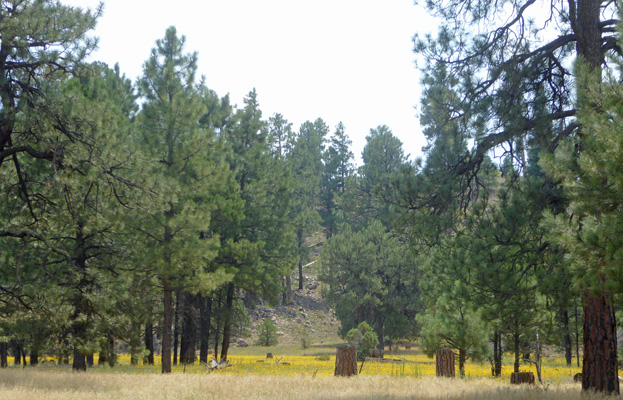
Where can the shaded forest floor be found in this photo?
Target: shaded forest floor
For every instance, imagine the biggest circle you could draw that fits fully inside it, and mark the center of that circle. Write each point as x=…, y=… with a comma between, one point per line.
x=54, y=384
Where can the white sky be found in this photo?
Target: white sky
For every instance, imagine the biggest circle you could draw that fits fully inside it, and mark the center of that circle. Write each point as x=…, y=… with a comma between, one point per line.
x=340, y=60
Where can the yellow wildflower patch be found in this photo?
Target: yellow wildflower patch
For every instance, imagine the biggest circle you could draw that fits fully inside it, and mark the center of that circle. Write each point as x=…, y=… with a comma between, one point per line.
x=554, y=370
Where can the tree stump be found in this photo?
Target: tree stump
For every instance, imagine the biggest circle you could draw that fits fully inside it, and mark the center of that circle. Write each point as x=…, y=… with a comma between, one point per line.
x=444, y=365
x=518, y=378
x=346, y=361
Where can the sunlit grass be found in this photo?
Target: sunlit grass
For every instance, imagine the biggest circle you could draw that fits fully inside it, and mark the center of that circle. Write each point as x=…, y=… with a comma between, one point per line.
x=300, y=374
x=61, y=384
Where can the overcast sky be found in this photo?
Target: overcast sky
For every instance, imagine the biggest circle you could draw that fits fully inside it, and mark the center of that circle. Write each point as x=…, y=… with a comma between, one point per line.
x=339, y=60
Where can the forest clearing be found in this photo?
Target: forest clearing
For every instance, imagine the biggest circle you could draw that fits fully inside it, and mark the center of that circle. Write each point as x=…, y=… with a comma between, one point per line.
x=147, y=222
x=296, y=376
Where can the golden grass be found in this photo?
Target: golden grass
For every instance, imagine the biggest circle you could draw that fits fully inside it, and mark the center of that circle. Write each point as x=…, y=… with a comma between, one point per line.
x=53, y=383
x=305, y=377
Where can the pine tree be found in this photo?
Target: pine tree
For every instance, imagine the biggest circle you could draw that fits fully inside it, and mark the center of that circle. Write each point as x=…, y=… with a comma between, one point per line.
x=591, y=227
x=513, y=87
x=338, y=167
x=256, y=244
x=371, y=277
x=305, y=161
x=177, y=155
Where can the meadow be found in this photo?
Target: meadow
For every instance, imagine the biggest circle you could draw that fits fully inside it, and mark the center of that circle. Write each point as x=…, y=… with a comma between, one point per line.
x=300, y=374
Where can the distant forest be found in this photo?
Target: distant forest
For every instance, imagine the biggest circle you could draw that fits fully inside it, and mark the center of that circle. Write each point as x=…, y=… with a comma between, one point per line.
x=157, y=211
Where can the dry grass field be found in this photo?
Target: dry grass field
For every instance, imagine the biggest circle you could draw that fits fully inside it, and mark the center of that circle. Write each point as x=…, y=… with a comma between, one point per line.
x=300, y=374
x=56, y=384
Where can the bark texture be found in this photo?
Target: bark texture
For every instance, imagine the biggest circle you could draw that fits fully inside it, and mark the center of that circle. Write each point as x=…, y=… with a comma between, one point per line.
x=166, y=328
x=346, y=361
x=444, y=363
x=522, y=377
x=599, y=371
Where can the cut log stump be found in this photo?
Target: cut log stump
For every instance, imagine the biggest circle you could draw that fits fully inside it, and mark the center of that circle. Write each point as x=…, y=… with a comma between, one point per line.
x=346, y=361
x=518, y=378
x=444, y=365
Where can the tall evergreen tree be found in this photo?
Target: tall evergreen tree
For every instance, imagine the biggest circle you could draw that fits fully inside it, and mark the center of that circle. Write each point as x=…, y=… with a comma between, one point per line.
x=514, y=85
x=177, y=152
x=256, y=249
x=305, y=161
x=338, y=166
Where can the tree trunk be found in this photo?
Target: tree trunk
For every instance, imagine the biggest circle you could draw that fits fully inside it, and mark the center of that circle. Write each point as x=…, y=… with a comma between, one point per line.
x=206, y=322
x=229, y=302
x=90, y=360
x=346, y=361
x=4, y=354
x=103, y=357
x=288, y=289
x=149, y=343
x=299, y=240
x=600, y=369
x=80, y=360
x=522, y=377
x=166, y=327
x=176, y=326
x=217, y=331
x=498, y=360
x=444, y=363
x=577, y=332
x=516, y=343
x=34, y=356
x=564, y=318
x=462, y=359
x=189, y=330
x=112, y=354
x=17, y=353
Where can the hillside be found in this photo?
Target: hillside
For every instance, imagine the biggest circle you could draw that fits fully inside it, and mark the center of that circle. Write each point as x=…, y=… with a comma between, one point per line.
x=308, y=317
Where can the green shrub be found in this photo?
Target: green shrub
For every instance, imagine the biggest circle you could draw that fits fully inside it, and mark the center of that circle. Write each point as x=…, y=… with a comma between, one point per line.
x=364, y=337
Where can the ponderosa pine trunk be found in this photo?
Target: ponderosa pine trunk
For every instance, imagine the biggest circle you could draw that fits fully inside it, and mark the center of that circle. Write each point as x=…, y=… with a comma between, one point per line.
x=206, y=322
x=600, y=368
x=34, y=356
x=346, y=361
x=497, y=354
x=17, y=353
x=167, y=326
x=444, y=363
x=149, y=343
x=566, y=337
x=229, y=303
x=176, y=327
x=4, y=354
x=189, y=330
x=218, y=324
x=462, y=359
x=517, y=352
x=300, y=243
